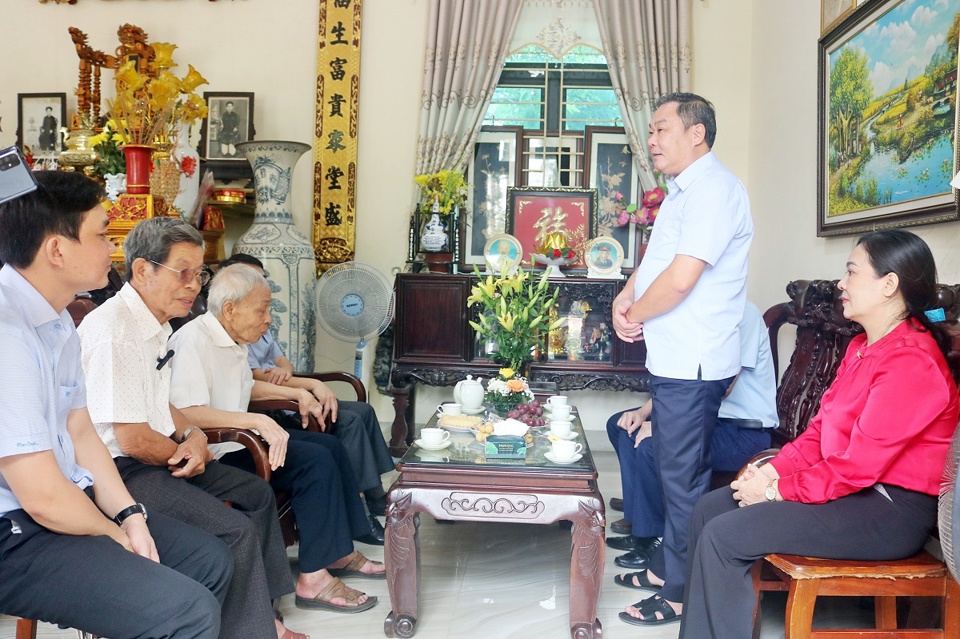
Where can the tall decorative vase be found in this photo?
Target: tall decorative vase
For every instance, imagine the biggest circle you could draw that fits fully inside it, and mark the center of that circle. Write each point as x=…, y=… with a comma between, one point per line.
x=139, y=157
x=189, y=162
x=287, y=256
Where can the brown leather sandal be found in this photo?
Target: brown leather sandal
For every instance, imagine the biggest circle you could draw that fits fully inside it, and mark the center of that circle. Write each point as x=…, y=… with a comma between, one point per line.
x=353, y=569
x=337, y=589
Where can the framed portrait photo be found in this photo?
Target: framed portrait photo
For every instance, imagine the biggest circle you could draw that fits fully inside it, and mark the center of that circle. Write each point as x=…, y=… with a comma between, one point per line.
x=229, y=122
x=611, y=171
x=39, y=119
x=533, y=213
x=603, y=255
x=886, y=148
x=503, y=253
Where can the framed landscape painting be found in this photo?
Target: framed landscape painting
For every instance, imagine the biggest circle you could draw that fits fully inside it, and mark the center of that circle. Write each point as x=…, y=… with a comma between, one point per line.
x=887, y=117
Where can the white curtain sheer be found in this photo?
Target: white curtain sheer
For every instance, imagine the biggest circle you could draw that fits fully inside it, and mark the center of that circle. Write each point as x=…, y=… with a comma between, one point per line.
x=648, y=50
x=467, y=43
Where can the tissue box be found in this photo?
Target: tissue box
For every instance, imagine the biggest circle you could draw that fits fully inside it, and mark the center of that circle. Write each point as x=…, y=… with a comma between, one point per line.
x=506, y=447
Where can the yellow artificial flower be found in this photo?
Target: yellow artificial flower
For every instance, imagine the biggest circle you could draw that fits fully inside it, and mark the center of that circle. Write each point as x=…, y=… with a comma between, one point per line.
x=507, y=373
x=192, y=80
x=506, y=320
x=128, y=75
x=164, y=55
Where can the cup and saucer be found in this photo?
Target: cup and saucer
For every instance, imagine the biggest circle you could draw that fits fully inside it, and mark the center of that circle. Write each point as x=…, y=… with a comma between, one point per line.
x=442, y=445
x=472, y=411
x=568, y=437
x=556, y=460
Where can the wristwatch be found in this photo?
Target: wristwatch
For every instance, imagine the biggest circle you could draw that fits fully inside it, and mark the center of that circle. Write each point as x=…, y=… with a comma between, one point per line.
x=189, y=430
x=130, y=510
x=770, y=493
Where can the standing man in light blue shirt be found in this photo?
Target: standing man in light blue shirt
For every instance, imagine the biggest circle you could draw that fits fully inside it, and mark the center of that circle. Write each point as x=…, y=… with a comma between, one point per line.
x=75, y=548
x=685, y=300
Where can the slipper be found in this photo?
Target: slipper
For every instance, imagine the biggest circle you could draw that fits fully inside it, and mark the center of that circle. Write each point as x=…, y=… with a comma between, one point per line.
x=290, y=634
x=336, y=589
x=352, y=569
x=627, y=581
x=649, y=608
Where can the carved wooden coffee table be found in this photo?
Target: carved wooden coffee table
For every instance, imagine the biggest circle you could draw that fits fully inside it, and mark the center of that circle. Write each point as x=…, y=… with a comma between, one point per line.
x=459, y=484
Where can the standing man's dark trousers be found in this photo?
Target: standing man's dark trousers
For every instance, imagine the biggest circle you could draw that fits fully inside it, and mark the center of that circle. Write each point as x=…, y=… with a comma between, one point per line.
x=725, y=541
x=94, y=584
x=684, y=416
x=249, y=526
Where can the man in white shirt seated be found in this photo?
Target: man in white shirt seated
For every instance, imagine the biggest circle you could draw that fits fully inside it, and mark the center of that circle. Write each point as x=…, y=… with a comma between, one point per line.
x=355, y=424
x=161, y=454
x=212, y=386
x=75, y=547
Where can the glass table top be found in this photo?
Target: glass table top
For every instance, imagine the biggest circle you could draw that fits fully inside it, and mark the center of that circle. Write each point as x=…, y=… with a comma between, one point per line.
x=464, y=449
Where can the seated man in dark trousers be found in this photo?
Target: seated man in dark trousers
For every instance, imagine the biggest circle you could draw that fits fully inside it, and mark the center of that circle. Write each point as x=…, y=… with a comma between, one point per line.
x=162, y=456
x=747, y=416
x=75, y=548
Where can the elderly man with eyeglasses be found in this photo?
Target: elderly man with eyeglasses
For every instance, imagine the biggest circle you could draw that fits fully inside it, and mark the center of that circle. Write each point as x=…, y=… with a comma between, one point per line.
x=161, y=455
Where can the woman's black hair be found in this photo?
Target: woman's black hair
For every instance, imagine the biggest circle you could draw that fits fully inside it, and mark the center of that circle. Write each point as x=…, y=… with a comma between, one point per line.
x=903, y=253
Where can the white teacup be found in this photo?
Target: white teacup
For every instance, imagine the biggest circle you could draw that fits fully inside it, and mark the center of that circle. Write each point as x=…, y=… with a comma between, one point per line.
x=557, y=400
x=560, y=428
x=433, y=436
x=564, y=450
x=560, y=412
x=450, y=409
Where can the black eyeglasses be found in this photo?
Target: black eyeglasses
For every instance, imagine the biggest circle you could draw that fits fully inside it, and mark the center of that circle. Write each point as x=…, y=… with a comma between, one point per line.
x=188, y=275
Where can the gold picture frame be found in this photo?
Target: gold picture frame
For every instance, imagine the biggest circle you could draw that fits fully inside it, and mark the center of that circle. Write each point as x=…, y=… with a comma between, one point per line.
x=833, y=11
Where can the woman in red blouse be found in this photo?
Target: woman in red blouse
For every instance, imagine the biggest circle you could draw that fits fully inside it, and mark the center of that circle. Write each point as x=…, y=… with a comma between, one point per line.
x=862, y=480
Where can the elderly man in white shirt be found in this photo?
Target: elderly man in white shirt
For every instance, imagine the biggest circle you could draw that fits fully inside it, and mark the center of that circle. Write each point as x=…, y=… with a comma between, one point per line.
x=213, y=385
x=161, y=454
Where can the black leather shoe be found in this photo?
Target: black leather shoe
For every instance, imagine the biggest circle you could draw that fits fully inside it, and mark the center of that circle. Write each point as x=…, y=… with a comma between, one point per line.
x=629, y=542
x=621, y=527
x=638, y=559
x=375, y=538
x=377, y=505
x=616, y=504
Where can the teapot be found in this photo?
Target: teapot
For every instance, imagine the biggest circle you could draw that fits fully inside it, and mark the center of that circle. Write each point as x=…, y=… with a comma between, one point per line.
x=469, y=394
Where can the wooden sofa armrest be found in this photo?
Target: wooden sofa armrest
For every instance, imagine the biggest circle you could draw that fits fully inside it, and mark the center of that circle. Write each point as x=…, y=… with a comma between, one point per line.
x=250, y=440
x=340, y=376
x=760, y=459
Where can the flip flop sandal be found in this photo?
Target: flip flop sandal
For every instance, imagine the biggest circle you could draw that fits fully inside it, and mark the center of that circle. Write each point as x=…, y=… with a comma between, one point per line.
x=649, y=608
x=353, y=569
x=627, y=581
x=337, y=589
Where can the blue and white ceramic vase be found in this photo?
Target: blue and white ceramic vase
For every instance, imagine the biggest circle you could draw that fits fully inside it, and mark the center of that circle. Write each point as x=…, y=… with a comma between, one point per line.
x=287, y=255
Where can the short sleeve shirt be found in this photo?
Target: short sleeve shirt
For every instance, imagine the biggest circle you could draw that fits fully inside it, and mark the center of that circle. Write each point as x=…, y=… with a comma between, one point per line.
x=705, y=215
x=263, y=353
x=754, y=395
x=210, y=369
x=122, y=345
x=41, y=380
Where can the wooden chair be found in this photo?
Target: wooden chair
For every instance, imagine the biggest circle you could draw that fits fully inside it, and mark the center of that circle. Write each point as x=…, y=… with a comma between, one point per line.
x=822, y=338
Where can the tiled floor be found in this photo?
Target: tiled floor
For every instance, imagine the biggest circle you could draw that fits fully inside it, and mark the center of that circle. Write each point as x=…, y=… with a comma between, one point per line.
x=496, y=581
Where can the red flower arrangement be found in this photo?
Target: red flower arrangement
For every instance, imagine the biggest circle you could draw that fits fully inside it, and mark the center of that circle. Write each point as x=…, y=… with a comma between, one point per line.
x=650, y=205
x=564, y=253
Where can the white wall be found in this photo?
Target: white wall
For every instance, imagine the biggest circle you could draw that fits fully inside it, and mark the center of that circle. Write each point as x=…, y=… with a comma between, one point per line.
x=755, y=59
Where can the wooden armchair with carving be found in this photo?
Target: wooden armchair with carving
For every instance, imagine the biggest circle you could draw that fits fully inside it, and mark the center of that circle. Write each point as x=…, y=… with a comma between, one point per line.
x=822, y=337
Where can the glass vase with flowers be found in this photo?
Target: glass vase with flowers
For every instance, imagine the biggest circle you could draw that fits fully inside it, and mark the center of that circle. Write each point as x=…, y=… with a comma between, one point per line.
x=514, y=315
